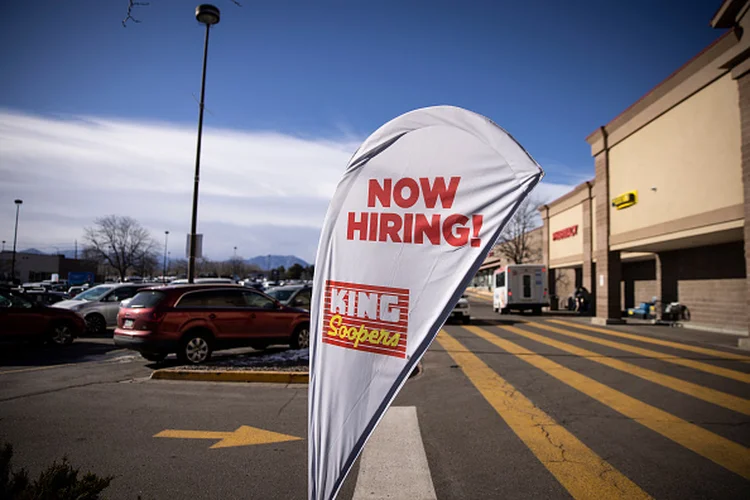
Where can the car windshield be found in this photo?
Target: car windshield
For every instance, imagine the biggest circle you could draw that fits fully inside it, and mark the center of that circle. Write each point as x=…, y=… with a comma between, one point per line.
x=13, y=300
x=93, y=294
x=281, y=294
x=146, y=299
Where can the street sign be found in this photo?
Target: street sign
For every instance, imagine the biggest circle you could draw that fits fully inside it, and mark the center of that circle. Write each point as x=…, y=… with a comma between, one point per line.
x=198, y=246
x=80, y=278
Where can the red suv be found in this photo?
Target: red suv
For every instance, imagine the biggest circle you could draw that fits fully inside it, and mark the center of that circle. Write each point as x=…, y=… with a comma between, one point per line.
x=21, y=319
x=195, y=320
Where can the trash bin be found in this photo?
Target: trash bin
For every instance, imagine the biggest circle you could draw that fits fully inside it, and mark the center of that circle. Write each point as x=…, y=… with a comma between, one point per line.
x=554, y=303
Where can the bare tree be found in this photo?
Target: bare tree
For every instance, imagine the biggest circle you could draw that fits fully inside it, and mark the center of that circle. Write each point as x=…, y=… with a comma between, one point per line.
x=119, y=242
x=147, y=264
x=134, y=3
x=178, y=267
x=515, y=242
x=129, y=16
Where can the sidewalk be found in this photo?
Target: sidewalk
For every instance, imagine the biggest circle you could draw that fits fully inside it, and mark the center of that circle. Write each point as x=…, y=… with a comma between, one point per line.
x=692, y=333
x=479, y=293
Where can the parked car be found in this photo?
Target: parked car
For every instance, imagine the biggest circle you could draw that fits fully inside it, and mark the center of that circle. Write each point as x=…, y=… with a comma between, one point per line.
x=46, y=298
x=462, y=310
x=99, y=305
x=252, y=284
x=195, y=320
x=203, y=281
x=21, y=319
x=292, y=295
x=75, y=290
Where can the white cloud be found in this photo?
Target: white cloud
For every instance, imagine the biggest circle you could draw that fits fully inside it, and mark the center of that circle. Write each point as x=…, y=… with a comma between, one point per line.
x=263, y=192
x=546, y=192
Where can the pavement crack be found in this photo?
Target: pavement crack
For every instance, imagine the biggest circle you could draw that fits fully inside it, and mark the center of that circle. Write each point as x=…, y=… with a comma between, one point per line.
x=726, y=424
x=283, y=407
x=52, y=391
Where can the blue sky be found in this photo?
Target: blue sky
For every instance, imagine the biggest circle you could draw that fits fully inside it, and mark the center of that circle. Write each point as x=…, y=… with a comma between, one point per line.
x=324, y=74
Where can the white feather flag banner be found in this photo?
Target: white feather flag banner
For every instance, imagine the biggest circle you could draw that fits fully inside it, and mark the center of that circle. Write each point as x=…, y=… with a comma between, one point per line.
x=419, y=206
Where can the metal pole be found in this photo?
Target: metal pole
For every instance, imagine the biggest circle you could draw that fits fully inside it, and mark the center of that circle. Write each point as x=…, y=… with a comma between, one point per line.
x=194, y=223
x=15, y=239
x=164, y=270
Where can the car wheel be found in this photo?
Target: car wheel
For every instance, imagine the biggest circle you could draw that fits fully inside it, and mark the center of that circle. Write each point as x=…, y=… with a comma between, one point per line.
x=301, y=338
x=62, y=334
x=195, y=349
x=467, y=320
x=537, y=311
x=96, y=324
x=155, y=358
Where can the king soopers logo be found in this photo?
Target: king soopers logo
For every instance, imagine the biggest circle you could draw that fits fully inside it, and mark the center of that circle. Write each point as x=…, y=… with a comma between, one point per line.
x=366, y=318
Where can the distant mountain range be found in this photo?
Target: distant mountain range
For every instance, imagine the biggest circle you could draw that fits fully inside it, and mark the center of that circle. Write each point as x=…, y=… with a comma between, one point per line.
x=69, y=253
x=266, y=262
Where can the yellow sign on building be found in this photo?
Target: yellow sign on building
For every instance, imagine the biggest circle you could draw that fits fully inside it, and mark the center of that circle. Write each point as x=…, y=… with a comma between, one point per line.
x=625, y=200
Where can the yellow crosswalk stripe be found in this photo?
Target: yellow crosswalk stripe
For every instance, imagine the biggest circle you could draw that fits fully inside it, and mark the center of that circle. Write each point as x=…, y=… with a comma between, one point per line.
x=729, y=401
x=728, y=454
x=578, y=469
x=668, y=358
x=651, y=340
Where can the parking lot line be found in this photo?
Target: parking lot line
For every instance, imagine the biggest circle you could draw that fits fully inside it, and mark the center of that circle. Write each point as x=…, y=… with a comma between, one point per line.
x=730, y=455
x=396, y=452
x=729, y=401
x=578, y=468
x=668, y=358
x=651, y=340
x=37, y=368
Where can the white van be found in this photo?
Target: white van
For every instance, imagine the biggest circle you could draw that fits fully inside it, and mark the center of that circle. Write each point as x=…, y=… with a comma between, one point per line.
x=520, y=287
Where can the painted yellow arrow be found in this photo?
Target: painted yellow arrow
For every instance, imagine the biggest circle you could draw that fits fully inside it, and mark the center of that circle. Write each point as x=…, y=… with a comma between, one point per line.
x=243, y=436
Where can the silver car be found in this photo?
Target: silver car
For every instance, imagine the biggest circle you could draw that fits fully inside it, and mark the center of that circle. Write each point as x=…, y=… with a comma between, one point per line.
x=99, y=305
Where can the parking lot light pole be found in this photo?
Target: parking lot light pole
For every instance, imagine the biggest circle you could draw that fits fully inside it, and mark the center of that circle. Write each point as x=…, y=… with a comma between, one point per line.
x=15, y=240
x=164, y=270
x=208, y=15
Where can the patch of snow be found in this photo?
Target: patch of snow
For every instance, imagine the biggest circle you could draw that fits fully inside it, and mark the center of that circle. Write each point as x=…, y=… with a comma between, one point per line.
x=291, y=357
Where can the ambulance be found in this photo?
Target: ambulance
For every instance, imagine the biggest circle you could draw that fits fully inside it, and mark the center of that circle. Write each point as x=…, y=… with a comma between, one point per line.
x=520, y=287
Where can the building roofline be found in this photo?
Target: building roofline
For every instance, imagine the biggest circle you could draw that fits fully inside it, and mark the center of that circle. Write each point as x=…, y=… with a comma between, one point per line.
x=726, y=15
x=569, y=194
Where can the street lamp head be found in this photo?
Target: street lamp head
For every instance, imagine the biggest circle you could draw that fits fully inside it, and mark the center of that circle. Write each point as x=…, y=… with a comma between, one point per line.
x=18, y=202
x=166, y=232
x=207, y=14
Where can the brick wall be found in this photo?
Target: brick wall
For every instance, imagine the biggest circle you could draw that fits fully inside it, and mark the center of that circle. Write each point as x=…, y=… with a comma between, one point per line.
x=638, y=283
x=645, y=291
x=565, y=283
x=587, y=276
x=607, y=263
x=711, y=281
x=715, y=302
x=744, y=101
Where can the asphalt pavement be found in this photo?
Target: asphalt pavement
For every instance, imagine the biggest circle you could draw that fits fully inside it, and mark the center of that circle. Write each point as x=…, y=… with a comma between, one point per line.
x=509, y=407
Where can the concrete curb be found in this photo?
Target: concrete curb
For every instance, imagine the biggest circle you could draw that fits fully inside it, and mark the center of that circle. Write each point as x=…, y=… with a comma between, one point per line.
x=271, y=377
x=268, y=377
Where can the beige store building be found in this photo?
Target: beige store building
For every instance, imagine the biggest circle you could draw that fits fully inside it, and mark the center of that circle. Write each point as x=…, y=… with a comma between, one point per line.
x=667, y=214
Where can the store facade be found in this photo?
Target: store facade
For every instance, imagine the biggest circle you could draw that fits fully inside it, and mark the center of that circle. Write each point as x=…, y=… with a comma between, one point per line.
x=666, y=213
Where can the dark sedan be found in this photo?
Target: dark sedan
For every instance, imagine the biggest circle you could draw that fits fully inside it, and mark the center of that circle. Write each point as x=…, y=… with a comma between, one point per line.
x=23, y=320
